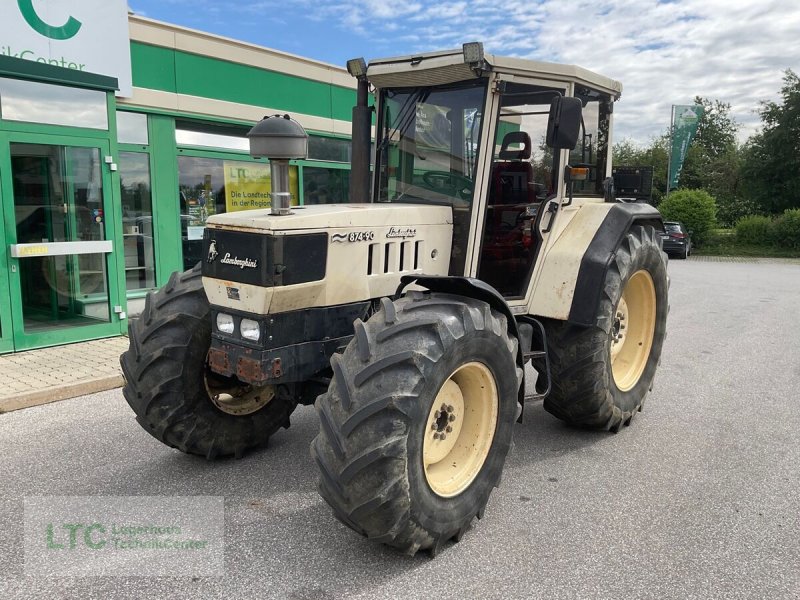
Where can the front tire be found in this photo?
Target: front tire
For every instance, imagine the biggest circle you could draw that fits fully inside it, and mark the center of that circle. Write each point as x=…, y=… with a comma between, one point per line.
x=416, y=424
x=602, y=373
x=176, y=398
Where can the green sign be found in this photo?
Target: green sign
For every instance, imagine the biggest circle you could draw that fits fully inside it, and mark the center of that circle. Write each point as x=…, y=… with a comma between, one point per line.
x=684, y=127
x=64, y=32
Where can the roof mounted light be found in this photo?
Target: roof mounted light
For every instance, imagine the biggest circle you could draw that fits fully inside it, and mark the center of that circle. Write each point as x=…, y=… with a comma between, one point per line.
x=357, y=67
x=473, y=53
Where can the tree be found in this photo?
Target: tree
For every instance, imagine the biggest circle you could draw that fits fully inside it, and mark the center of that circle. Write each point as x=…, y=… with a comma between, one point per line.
x=771, y=157
x=715, y=138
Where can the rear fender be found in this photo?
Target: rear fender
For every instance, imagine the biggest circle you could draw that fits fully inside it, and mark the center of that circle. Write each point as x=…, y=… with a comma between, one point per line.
x=574, y=269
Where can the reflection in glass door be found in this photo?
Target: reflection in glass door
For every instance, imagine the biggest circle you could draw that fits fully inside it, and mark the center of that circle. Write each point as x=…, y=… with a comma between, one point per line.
x=59, y=256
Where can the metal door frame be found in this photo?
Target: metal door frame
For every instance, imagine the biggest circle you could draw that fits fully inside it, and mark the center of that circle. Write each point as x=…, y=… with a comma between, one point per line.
x=14, y=336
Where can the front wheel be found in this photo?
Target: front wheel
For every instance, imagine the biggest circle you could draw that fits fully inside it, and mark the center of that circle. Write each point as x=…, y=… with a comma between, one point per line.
x=416, y=424
x=176, y=397
x=602, y=373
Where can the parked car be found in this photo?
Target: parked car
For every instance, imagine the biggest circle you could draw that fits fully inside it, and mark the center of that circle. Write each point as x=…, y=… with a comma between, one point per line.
x=676, y=239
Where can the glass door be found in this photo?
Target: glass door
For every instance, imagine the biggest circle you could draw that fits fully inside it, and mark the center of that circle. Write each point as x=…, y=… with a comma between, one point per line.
x=59, y=240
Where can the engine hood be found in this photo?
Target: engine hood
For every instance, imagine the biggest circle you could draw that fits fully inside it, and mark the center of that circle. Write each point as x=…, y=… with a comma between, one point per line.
x=334, y=216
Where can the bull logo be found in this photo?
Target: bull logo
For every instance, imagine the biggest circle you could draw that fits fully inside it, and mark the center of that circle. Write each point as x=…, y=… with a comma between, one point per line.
x=212, y=251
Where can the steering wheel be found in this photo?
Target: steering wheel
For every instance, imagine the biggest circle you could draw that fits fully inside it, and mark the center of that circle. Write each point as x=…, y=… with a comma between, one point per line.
x=452, y=184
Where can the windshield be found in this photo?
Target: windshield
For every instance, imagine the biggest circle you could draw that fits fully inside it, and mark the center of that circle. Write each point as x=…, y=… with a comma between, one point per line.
x=428, y=143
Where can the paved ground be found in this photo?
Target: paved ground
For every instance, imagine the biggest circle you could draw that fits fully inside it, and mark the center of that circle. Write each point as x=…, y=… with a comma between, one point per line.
x=41, y=376
x=698, y=499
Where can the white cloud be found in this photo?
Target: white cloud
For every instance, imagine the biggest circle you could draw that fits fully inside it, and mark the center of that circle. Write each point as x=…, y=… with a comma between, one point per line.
x=663, y=52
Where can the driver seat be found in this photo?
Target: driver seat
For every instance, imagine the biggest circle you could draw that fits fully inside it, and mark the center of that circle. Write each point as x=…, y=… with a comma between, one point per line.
x=512, y=174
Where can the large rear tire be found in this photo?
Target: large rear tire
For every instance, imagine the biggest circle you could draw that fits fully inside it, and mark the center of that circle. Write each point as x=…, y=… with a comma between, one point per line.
x=602, y=373
x=417, y=421
x=176, y=398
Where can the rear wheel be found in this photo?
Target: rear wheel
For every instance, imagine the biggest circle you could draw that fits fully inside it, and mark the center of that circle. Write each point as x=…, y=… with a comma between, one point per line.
x=417, y=422
x=602, y=373
x=176, y=397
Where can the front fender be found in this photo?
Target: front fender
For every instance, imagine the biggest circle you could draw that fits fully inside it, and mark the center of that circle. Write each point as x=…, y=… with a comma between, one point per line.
x=471, y=288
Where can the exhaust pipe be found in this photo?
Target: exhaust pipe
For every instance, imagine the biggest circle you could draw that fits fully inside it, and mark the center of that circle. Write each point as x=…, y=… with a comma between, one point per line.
x=361, y=138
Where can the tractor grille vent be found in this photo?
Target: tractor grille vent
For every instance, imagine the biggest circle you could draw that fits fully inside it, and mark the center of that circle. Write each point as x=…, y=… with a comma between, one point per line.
x=395, y=257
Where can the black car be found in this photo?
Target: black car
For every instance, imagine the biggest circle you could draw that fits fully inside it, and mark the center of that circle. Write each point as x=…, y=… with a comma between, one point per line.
x=676, y=239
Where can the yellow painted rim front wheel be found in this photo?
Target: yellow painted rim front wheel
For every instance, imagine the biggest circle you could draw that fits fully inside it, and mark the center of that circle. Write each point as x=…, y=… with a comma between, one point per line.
x=633, y=330
x=460, y=429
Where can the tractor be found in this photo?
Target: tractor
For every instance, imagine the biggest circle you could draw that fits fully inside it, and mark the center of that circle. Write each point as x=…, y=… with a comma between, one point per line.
x=483, y=262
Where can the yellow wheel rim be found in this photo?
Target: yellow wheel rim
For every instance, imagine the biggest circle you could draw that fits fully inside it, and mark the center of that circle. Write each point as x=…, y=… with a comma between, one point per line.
x=633, y=330
x=460, y=429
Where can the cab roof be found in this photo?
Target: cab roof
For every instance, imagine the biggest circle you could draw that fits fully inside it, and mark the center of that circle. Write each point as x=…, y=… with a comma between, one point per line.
x=449, y=66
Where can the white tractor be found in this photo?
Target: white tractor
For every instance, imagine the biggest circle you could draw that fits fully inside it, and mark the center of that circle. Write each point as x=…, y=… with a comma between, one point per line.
x=485, y=243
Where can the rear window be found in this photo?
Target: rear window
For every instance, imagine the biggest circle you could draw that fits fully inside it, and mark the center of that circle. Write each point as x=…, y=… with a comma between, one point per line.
x=672, y=227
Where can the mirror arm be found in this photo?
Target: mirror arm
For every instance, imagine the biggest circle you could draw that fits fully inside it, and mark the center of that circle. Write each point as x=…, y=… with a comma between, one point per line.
x=570, y=184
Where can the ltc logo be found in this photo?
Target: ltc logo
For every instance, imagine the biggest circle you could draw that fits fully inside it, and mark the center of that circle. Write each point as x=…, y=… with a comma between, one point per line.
x=64, y=32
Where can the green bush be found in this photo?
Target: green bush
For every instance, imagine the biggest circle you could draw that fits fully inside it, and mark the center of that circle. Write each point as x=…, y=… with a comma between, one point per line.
x=694, y=208
x=754, y=229
x=786, y=229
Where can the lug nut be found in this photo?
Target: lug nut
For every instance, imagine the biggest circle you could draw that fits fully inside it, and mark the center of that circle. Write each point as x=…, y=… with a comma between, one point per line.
x=444, y=407
x=449, y=408
x=449, y=429
x=436, y=436
x=442, y=436
x=452, y=418
x=437, y=414
x=433, y=426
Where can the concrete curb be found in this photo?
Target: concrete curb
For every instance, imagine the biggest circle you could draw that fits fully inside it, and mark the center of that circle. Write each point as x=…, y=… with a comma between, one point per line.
x=64, y=392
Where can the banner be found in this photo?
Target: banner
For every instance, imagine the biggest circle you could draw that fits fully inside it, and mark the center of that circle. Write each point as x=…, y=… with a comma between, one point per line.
x=248, y=185
x=684, y=127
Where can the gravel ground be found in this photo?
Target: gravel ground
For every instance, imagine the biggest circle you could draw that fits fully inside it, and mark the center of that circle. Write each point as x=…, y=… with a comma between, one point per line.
x=698, y=499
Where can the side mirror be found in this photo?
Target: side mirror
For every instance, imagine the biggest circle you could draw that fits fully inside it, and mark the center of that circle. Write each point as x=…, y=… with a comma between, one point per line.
x=564, y=123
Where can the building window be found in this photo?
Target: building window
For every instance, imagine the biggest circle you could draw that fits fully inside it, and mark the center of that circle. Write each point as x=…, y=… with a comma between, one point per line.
x=325, y=186
x=206, y=136
x=210, y=186
x=137, y=220
x=132, y=128
x=36, y=102
x=328, y=149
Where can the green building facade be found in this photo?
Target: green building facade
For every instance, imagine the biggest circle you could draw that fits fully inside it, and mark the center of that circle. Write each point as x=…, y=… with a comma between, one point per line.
x=104, y=196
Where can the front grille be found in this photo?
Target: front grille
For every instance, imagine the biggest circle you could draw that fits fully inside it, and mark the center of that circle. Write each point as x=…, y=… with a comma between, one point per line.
x=263, y=259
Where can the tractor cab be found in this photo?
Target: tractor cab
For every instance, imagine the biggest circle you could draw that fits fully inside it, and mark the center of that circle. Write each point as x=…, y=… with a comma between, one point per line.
x=477, y=132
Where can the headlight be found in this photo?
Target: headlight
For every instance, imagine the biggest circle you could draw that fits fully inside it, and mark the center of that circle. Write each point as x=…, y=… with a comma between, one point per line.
x=225, y=323
x=250, y=330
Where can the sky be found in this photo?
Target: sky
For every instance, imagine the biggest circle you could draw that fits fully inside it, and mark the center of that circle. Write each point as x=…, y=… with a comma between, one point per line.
x=664, y=52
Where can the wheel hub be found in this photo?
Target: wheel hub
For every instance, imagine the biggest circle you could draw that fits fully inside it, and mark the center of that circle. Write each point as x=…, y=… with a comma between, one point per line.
x=460, y=429
x=633, y=330
x=239, y=400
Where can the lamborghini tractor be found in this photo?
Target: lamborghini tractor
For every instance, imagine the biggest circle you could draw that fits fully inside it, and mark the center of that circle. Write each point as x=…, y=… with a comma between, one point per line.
x=483, y=262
